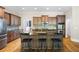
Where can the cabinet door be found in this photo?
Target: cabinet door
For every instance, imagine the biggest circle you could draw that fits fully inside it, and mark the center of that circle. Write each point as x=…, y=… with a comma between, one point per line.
x=35, y=20
x=16, y=20
x=7, y=18
x=63, y=19
x=10, y=36
x=12, y=20
x=1, y=12
x=52, y=20
x=44, y=18
x=19, y=20
x=60, y=18
x=39, y=20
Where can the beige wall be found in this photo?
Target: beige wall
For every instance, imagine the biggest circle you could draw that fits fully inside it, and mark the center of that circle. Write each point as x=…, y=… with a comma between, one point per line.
x=75, y=24
x=72, y=24
x=68, y=22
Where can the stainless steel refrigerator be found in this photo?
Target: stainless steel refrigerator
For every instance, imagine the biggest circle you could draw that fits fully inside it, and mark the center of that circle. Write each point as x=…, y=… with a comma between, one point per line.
x=3, y=33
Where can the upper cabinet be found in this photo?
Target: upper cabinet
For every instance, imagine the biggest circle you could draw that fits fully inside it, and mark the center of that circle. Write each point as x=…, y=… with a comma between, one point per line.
x=12, y=20
x=2, y=12
x=60, y=18
x=15, y=20
x=35, y=20
x=52, y=20
x=39, y=20
x=18, y=21
x=44, y=22
x=44, y=18
x=7, y=18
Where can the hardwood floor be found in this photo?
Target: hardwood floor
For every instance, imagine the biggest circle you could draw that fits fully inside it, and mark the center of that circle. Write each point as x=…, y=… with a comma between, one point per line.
x=14, y=46
x=70, y=46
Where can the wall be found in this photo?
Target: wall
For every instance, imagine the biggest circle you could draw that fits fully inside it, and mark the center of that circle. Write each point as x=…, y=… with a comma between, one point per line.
x=72, y=24
x=75, y=24
x=68, y=18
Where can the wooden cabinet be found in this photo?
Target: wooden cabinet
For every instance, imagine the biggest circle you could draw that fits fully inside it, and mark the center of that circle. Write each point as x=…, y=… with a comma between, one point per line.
x=15, y=20
x=39, y=20
x=18, y=20
x=35, y=20
x=16, y=34
x=12, y=20
x=7, y=18
x=44, y=18
x=10, y=36
x=60, y=18
x=1, y=12
x=52, y=20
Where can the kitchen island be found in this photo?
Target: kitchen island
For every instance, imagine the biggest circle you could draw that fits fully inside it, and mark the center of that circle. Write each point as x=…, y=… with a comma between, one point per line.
x=41, y=42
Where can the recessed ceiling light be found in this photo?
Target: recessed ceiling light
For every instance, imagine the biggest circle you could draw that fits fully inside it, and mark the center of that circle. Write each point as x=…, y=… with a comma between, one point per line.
x=23, y=8
x=47, y=8
x=59, y=8
x=35, y=8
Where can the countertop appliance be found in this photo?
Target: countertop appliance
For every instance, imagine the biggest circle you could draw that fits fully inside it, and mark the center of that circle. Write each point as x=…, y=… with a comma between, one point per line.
x=3, y=33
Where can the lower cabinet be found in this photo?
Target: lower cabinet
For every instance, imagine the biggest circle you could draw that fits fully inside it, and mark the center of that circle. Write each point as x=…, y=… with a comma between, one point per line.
x=12, y=35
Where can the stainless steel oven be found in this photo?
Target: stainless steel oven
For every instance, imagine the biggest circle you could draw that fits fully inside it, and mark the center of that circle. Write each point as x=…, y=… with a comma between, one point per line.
x=3, y=41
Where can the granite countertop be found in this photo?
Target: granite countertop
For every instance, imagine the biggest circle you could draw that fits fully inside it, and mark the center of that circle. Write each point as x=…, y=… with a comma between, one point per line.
x=52, y=36
x=27, y=34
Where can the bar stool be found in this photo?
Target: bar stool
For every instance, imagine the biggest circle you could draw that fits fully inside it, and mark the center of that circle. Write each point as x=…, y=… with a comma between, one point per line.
x=42, y=44
x=27, y=44
x=57, y=43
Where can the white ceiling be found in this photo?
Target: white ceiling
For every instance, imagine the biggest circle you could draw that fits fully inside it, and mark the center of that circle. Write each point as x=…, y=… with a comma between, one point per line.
x=39, y=8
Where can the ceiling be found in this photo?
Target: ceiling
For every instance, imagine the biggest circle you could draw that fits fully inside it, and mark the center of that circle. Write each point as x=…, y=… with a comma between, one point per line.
x=20, y=9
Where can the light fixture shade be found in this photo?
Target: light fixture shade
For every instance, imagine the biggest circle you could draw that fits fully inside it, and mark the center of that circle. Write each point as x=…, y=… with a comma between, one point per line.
x=23, y=8
x=47, y=8
x=35, y=8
